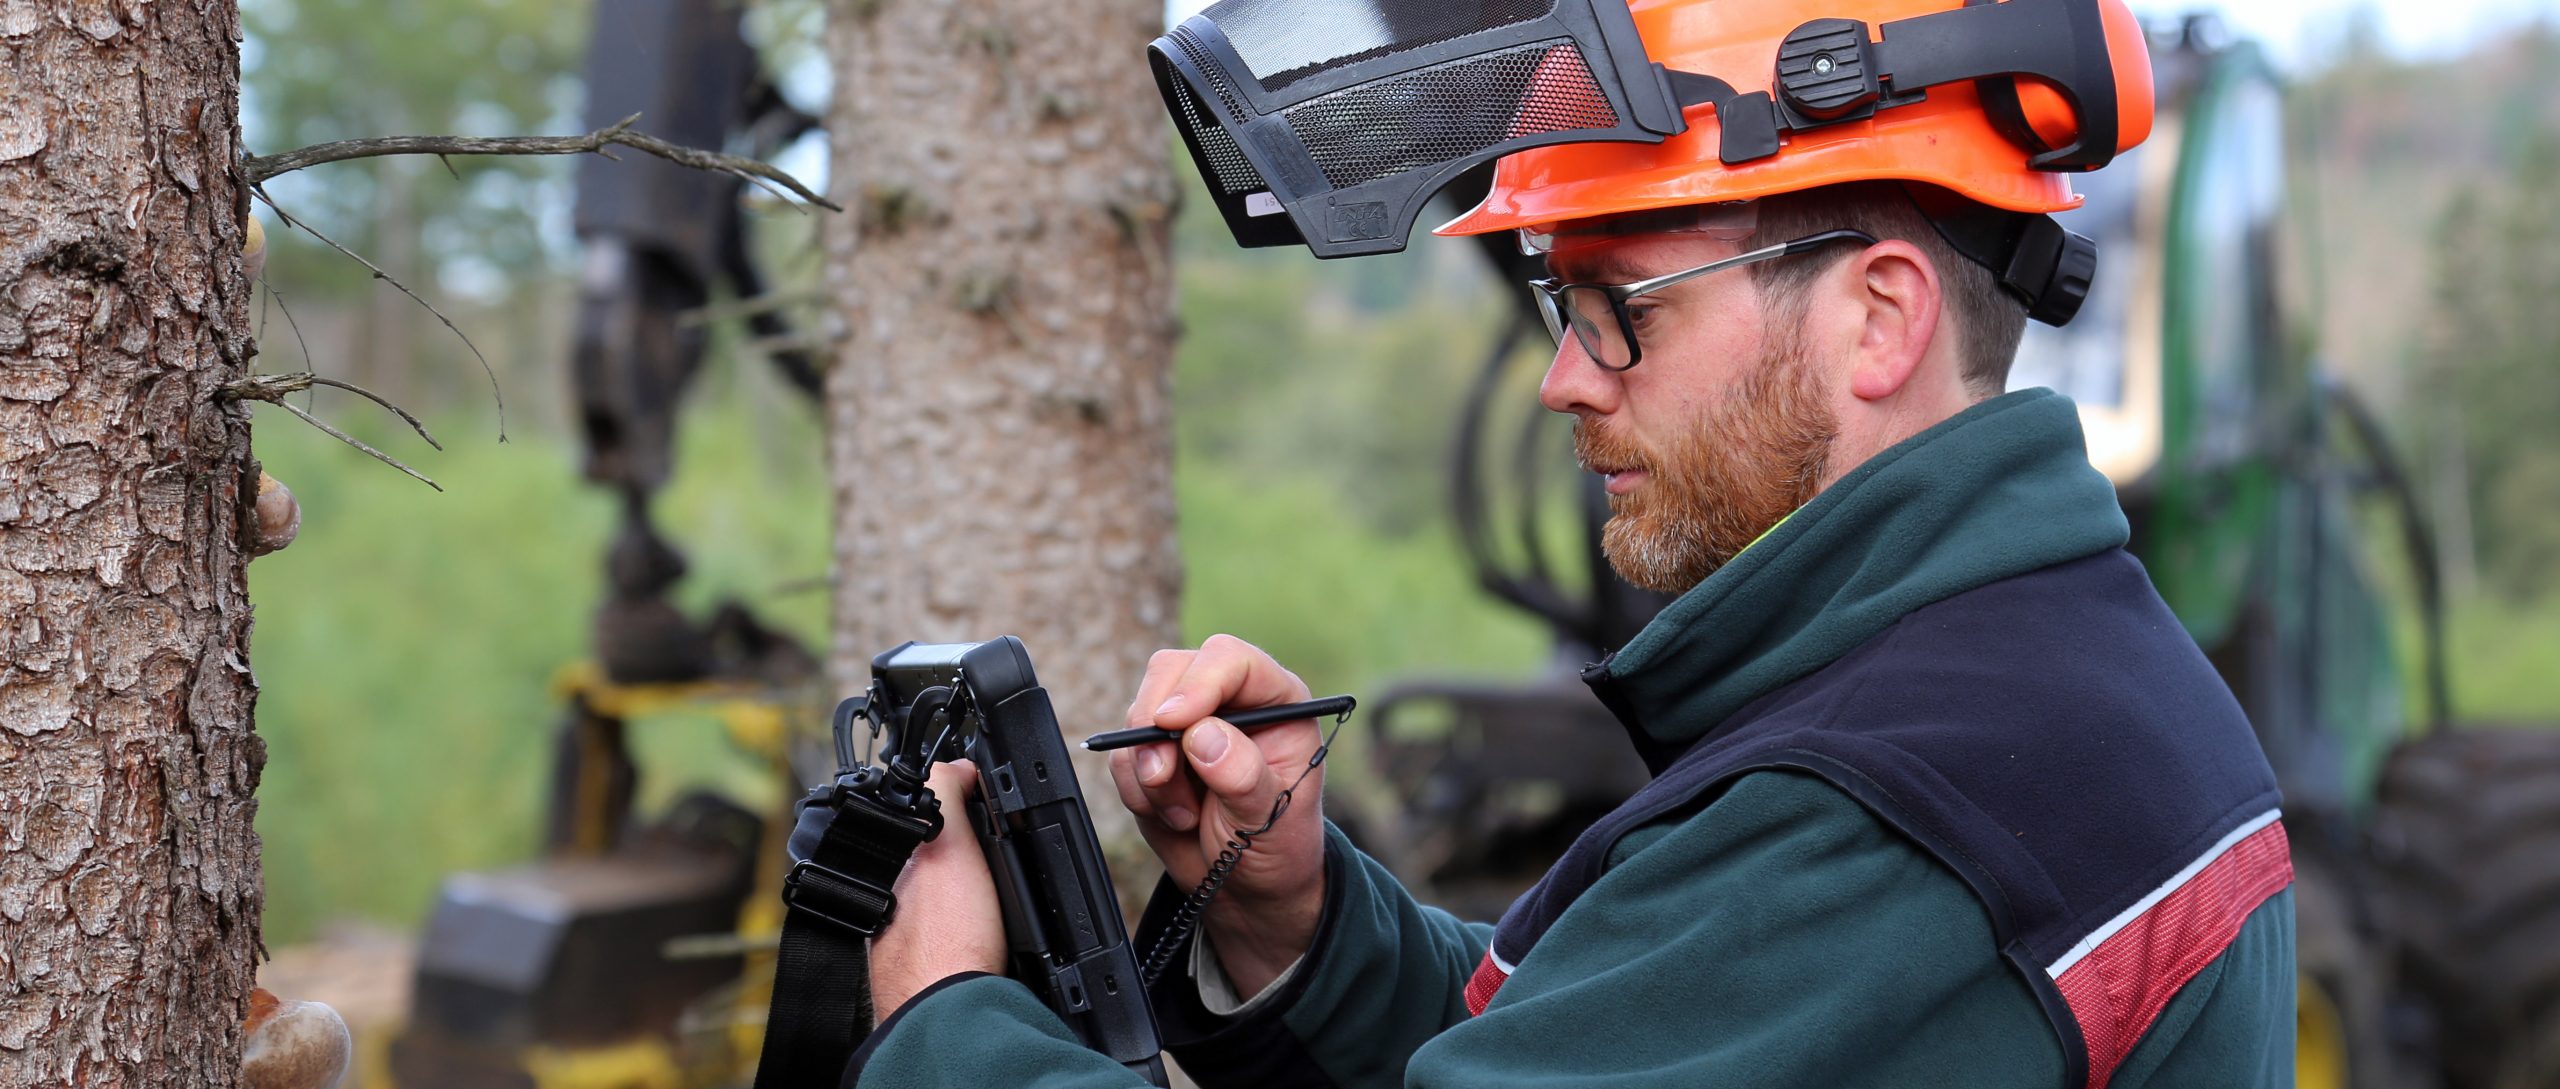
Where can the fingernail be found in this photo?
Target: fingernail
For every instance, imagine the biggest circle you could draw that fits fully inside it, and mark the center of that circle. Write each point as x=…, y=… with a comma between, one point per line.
x=1207, y=742
x=1176, y=818
x=1167, y=707
x=1150, y=764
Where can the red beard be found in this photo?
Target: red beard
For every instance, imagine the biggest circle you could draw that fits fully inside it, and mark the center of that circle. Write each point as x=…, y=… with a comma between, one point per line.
x=1751, y=462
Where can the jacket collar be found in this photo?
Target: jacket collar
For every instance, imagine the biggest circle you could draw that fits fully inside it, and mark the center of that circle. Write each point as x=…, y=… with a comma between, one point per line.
x=1996, y=491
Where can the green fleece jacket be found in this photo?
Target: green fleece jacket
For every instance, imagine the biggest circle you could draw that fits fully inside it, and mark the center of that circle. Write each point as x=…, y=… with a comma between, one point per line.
x=1779, y=934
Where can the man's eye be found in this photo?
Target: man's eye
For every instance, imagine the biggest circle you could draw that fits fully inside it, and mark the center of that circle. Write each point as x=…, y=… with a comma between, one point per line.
x=1641, y=314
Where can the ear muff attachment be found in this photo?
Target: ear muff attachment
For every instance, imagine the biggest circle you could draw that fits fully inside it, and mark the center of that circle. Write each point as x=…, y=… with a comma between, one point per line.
x=2045, y=266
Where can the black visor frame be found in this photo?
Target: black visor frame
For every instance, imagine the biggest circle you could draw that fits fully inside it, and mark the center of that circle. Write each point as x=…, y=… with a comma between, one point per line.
x=1342, y=156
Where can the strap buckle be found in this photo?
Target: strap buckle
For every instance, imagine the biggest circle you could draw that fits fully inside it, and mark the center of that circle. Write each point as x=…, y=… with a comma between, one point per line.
x=837, y=897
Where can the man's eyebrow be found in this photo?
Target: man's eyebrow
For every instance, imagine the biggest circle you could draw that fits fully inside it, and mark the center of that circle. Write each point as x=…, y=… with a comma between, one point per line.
x=1605, y=267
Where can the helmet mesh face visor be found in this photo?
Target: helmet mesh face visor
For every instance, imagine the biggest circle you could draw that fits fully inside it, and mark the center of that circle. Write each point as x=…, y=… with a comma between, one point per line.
x=1331, y=122
x=1450, y=112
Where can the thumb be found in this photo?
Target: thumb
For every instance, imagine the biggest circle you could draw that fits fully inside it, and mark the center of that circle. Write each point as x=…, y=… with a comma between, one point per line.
x=1232, y=767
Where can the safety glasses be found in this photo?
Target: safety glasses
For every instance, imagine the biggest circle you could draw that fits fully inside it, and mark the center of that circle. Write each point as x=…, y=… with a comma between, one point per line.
x=1598, y=315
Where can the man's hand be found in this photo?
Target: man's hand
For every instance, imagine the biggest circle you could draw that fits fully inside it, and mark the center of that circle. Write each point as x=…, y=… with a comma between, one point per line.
x=1191, y=799
x=948, y=921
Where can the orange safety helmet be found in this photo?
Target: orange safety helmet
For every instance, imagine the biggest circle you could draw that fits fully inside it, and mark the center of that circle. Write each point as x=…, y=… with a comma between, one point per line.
x=1981, y=139
x=1329, y=123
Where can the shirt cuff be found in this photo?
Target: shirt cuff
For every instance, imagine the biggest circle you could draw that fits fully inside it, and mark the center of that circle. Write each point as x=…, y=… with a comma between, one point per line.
x=1218, y=991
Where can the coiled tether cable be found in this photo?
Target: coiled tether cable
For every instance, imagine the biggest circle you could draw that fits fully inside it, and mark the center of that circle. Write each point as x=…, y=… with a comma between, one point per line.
x=1187, y=917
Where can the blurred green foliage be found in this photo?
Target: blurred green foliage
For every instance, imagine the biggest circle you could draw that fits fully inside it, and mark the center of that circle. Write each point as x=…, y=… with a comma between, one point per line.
x=322, y=70
x=407, y=643
x=2430, y=265
x=2502, y=653
x=403, y=649
x=2482, y=355
x=2491, y=342
x=2421, y=183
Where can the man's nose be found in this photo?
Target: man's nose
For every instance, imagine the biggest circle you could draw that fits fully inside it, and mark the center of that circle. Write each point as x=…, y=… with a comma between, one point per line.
x=1577, y=384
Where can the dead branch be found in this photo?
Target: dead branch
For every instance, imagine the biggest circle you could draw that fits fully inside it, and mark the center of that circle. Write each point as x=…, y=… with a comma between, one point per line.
x=275, y=389
x=277, y=297
x=353, y=441
x=494, y=392
x=262, y=167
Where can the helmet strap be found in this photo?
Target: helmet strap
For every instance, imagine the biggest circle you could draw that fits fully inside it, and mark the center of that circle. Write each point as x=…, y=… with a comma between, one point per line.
x=1832, y=71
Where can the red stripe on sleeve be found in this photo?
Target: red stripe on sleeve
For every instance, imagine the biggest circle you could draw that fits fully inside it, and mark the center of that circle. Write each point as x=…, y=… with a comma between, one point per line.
x=2119, y=989
x=1480, y=987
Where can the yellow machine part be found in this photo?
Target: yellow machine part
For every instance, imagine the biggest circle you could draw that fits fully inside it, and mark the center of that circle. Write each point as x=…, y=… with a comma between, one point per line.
x=634, y=1064
x=2319, y=1039
x=754, y=722
x=759, y=726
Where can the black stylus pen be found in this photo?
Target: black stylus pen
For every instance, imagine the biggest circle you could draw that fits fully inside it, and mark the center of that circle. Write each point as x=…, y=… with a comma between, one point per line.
x=1243, y=720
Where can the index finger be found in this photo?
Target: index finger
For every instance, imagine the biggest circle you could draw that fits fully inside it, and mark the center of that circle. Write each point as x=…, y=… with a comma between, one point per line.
x=1164, y=667
x=1227, y=673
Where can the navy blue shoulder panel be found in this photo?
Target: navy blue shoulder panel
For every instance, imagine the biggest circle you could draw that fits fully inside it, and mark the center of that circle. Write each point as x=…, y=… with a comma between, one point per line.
x=2059, y=730
x=2055, y=738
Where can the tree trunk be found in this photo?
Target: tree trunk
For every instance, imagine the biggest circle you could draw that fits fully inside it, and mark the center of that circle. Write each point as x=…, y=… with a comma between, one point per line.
x=129, y=885
x=1001, y=438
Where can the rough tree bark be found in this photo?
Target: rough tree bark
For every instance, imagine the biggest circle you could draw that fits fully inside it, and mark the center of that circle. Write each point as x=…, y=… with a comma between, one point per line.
x=129, y=883
x=1000, y=430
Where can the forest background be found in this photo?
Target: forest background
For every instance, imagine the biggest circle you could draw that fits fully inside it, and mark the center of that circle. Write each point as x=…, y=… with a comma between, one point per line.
x=407, y=645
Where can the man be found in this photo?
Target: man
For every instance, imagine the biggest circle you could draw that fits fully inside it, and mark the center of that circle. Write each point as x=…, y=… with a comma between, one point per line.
x=1944, y=796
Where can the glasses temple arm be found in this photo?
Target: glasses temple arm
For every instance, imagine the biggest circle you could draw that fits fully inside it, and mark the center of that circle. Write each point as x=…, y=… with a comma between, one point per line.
x=1807, y=244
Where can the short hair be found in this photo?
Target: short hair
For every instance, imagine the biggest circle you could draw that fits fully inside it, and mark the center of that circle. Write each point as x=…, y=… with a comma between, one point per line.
x=1988, y=320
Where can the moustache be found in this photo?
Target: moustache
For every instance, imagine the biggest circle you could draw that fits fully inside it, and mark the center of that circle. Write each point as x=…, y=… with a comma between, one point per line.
x=1600, y=450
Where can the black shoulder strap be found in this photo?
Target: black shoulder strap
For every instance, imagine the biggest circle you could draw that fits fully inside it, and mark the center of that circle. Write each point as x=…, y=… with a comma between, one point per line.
x=834, y=901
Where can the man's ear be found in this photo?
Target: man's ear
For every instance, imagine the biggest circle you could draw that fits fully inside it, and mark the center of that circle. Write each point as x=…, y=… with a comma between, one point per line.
x=1899, y=294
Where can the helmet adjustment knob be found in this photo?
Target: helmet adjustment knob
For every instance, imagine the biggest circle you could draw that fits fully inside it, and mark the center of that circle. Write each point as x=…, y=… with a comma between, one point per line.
x=1826, y=71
